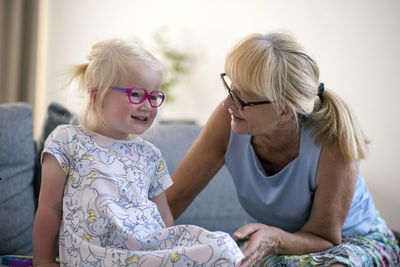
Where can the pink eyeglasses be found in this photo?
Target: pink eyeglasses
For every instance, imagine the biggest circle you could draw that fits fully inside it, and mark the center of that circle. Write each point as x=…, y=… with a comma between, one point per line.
x=137, y=95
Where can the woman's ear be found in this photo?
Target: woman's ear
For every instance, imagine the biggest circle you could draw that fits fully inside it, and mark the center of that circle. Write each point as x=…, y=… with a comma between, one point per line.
x=285, y=115
x=93, y=93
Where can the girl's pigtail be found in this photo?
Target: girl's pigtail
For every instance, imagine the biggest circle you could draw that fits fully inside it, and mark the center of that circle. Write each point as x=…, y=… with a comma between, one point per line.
x=78, y=73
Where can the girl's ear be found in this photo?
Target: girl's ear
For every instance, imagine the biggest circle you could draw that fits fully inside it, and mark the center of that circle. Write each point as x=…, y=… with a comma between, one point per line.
x=93, y=93
x=285, y=115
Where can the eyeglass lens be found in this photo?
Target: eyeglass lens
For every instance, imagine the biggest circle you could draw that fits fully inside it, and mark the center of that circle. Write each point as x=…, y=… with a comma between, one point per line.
x=138, y=95
x=228, y=86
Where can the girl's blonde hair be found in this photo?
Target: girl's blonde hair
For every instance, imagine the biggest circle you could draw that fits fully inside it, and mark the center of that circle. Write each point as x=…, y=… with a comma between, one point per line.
x=109, y=63
x=276, y=67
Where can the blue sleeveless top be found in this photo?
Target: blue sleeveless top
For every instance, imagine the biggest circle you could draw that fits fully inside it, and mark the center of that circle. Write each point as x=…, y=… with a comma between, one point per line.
x=284, y=199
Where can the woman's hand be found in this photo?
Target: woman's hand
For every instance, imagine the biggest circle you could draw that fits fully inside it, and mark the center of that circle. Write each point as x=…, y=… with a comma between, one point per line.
x=263, y=240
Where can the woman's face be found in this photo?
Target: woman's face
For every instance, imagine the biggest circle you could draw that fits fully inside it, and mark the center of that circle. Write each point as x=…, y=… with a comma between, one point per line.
x=253, y=120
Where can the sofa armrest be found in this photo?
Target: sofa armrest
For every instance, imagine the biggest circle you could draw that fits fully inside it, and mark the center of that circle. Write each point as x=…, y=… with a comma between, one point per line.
x=17, y=154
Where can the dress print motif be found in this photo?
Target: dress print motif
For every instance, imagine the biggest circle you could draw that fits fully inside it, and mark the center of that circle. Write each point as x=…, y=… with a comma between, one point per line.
x=108, y=219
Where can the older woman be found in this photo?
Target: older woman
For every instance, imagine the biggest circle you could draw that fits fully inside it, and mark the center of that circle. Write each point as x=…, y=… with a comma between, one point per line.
x=293, y=149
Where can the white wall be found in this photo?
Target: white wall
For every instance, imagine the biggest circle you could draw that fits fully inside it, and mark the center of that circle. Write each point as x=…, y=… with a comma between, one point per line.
x=355, y=43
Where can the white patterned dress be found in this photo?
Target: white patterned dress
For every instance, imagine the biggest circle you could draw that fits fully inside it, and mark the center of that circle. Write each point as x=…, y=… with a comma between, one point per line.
x=108, y=219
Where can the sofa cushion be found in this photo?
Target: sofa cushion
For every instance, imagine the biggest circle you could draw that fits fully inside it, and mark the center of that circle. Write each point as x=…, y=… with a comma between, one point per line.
x=217, y=206
x=17, y=156
x=173, y=140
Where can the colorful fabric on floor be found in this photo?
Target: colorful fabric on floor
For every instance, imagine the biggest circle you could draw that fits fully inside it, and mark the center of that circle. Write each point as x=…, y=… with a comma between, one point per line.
x=376, y=248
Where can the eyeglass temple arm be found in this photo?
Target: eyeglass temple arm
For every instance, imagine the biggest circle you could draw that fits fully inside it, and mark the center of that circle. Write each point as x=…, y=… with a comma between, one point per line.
x=119, y=89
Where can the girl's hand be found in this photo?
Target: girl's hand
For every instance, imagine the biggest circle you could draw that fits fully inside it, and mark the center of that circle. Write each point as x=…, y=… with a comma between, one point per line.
x=263, y=241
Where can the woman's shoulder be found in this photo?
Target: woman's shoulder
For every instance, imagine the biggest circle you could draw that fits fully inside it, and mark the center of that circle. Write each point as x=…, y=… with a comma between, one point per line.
x=308, y=138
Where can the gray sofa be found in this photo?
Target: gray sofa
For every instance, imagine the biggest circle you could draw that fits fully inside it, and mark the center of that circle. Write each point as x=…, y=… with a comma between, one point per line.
x=215, y=208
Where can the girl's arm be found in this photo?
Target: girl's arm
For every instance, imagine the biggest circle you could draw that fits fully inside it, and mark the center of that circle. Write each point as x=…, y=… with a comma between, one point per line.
x=201, y=162
x=49, y=212
x=163, y=208
x=336, y=181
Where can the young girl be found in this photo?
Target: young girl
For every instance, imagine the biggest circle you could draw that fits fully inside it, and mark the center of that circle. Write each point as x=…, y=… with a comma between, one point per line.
x=103, y=187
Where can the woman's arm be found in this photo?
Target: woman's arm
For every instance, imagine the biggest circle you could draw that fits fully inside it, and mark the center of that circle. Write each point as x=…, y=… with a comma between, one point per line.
x=336, y=181
x=201, y=163
x=48, y=214
x=161, y=201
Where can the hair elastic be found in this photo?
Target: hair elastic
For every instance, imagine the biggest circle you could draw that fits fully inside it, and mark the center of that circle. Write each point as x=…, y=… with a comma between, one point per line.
x=321, y=89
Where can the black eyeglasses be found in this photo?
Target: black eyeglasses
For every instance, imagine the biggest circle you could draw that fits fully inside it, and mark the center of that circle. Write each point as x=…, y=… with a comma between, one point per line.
x=239, y=103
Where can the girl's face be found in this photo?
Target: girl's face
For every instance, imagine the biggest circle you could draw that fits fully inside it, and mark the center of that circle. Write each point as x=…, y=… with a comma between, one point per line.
x=124, y=118
x=251, y=120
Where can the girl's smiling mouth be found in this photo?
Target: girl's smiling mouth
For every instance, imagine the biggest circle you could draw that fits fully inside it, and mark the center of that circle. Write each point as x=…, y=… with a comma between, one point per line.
x=139, y=118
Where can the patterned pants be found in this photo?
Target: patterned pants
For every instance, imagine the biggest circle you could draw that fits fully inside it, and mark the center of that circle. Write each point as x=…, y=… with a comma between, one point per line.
x=376, y=248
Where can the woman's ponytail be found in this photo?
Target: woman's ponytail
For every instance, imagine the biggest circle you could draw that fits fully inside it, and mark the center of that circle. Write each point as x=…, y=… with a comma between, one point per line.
x=334, y=123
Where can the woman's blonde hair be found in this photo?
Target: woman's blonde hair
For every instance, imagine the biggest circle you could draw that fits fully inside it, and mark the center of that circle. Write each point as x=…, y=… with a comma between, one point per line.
x=276, y=67
x=109, y=63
